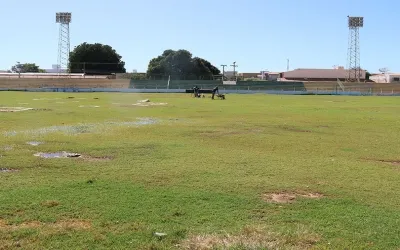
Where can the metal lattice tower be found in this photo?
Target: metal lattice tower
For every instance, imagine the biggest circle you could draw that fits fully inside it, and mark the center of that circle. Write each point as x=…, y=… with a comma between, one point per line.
x=353, y=53
x=64, y=19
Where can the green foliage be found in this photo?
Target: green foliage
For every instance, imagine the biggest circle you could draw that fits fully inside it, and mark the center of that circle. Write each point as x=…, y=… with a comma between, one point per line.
x=27, y=68
x=95, y=59
x=139, y=76
x=201, y=171
x=367, y=75
x=181, y=63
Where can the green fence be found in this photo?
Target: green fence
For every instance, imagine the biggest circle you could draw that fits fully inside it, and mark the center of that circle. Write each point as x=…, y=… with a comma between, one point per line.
x=209, y=84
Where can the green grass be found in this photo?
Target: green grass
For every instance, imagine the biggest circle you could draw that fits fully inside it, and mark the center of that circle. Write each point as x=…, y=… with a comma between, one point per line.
x=201, y=171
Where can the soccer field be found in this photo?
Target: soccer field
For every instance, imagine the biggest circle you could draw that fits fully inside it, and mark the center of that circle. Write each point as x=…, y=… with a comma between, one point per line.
x=248, y=172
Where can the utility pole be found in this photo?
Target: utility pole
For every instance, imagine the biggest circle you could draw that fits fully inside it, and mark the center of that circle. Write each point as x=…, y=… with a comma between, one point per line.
x=234, y=68
x=223, y=71
x=19, y=69
x=287, y=65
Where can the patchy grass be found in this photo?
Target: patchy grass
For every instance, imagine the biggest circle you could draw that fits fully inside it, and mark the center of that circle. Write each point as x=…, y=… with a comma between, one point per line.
x=199, y=171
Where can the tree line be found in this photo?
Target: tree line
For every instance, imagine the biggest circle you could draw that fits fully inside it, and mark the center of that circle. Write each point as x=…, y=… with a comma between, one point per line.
x=100, y=59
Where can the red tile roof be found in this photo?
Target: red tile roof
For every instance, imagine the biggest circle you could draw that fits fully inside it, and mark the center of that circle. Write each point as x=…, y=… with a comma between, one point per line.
x=319, y=73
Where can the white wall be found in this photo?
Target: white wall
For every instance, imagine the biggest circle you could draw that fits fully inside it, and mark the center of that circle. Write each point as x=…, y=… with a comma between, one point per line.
x=380, y=78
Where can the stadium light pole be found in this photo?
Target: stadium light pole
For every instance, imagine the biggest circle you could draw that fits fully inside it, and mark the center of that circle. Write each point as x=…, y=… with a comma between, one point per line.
x=234, y=68
x=353, y=52
x=64, y=19
x=223, y=71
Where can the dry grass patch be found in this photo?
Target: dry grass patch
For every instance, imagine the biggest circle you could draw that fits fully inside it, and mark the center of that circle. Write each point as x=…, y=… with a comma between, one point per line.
x=50, y=203
x=73, y=224
x=289, y=197
x=251, y=238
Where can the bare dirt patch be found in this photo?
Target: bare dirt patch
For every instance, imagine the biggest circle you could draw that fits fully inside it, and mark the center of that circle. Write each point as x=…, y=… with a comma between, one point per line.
x=313, y=195
x=289, y=197
x=50, y=203
x=279, y=197
x=250, y=238
x=14, y=109
x=96, y=158
x=389, y=162
x=392, y=162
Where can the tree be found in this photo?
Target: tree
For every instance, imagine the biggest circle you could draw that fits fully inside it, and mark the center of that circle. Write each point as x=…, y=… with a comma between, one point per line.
x=181, y=63
x=367, y=75
x=95, y=59
x=26, y=68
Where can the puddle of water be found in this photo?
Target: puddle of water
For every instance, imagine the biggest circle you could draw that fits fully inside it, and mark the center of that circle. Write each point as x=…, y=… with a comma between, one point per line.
x=34, y=143
x=58, y=155
x=75, y=129
x=89, y=106
x=7, y=170
x=84, y=128
x=140, y=122
x=10, y=133
x=146, y=104
x=14, y=109
x=8, y=148
x=45, y=99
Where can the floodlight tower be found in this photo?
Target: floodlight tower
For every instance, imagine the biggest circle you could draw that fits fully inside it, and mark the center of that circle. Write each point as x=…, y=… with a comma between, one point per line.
x=64, y=19
x=353, y=53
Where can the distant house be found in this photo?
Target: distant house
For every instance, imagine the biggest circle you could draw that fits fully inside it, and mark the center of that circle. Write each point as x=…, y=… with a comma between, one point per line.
x=272, y=76
x=248, y=75
x=263, y=75
x=320, y=74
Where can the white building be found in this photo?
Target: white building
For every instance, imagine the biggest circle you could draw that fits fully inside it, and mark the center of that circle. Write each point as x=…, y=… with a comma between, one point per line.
x=269, y=76
x=54, y=69
x=386, y=78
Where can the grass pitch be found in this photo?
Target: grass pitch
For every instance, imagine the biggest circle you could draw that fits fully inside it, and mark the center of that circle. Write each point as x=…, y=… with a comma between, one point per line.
x=249, y=172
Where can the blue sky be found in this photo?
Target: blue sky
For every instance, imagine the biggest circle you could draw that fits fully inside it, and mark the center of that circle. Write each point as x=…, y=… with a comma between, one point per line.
x=257, y=34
